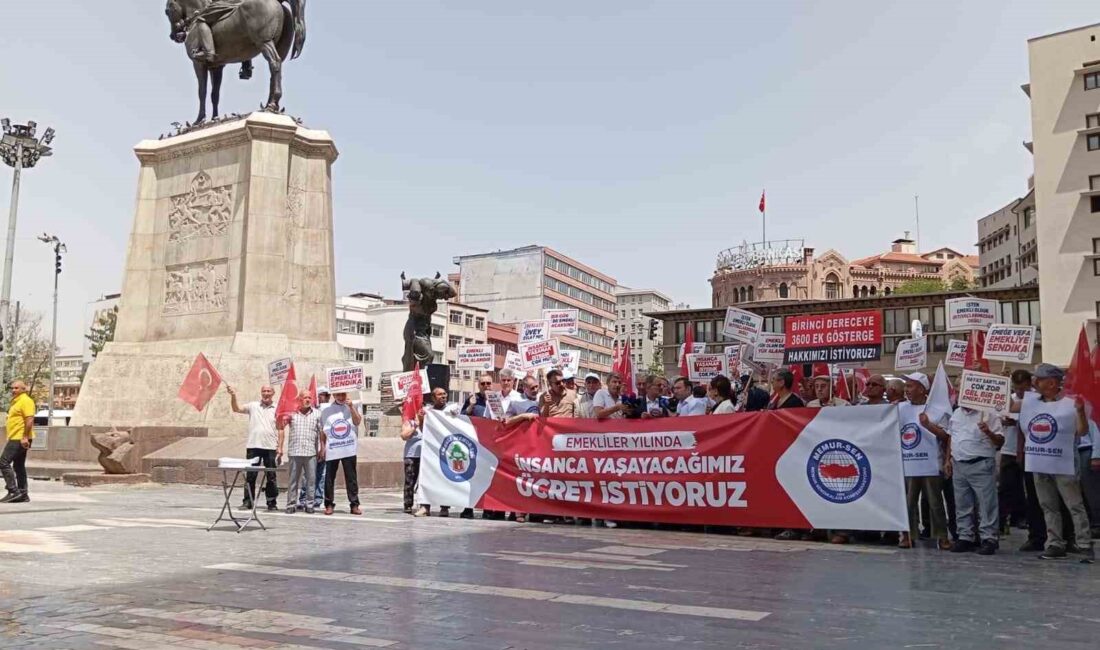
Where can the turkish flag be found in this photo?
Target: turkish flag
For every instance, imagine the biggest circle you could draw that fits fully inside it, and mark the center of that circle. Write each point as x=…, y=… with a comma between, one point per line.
x=799, y=377
x=861, y=376
x=201, y=383
x=288, y=398
x=820, y=370
x=840, y=388
x=414, y=400
x=626, y=369
x=313, y=389
x=689, y=348
x=763, y=202
x=975, y=352
x=1081, y=378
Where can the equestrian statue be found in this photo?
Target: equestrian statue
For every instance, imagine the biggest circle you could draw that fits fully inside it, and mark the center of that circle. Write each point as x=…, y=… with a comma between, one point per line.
x=220, y=32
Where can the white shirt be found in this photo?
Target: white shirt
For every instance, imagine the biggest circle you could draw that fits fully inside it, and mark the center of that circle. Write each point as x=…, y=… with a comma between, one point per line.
x=585, y=405
x=261, y=426
x=692, y=406
x=604, y=400
x=967, y=440
x=507, y=399
x=727, y=406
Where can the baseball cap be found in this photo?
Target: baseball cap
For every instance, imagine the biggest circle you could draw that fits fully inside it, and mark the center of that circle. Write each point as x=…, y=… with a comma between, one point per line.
x=591, y=375
x=918, y=377
x=323, y=389
x=567, y=374
x=1048, y=371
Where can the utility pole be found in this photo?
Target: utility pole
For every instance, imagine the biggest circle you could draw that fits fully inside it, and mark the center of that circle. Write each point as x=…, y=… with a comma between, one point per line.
x=19, y=149
x=916, y=208
x=58, y=249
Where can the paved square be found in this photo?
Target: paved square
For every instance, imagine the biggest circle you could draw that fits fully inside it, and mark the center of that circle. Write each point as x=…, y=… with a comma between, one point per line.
x=133, y=567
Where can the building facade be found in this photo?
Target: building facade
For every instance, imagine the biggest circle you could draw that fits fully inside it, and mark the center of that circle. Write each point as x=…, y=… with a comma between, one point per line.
x=787, y=270
x=466, y=325
x=516, y=285
x=505, y=339
x=1064, y=88
x=1007, y=254
x=632, y=324
x=69, y=375
x=1017, y=306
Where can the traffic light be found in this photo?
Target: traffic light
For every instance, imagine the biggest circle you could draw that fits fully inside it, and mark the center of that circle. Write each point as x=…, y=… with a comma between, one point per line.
x=652, y=329
x=57, y=263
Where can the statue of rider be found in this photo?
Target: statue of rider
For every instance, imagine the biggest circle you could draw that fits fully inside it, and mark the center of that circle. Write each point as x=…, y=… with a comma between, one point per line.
x=212, y=14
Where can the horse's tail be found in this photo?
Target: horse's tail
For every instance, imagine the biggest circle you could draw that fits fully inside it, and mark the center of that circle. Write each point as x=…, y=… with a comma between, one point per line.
x=298, y=14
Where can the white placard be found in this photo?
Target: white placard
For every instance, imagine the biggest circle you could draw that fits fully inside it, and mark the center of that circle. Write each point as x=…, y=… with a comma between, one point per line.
x=341, y=434
x=1014, y=343
x=572, y=360
x=534, y=330
x=956, y=353
x=277, y=371
x=476, y=357
x=912, y=354
x=970, y=314
x=494, y=402
x=696, y=348
x=539, y=354
x=984, y=392
x=401, y=382
x=346, y=379
x=563, y=321
x=514, y=363
x=741, y=325
x=733, y=359
x=704, y=367
x=769, y=348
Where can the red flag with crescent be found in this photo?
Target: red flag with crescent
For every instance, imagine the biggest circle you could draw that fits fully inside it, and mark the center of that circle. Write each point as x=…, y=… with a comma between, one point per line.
x=201, y=383
x=288, y=398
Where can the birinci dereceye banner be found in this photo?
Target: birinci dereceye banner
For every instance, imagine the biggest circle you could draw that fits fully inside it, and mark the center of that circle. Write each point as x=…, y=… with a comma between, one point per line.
x=848, y=337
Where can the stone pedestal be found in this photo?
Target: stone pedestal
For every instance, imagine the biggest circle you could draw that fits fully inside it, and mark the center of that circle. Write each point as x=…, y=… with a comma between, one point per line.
x=230, y=255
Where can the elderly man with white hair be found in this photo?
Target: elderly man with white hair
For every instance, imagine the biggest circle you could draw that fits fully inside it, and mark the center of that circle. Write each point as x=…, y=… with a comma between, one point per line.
x=262, y=442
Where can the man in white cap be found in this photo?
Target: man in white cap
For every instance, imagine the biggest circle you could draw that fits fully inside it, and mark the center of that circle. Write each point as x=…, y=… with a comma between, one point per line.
x=921, y=461
x=1051, y=426
x=323, y=397
x=584, y=397
x=823, y=393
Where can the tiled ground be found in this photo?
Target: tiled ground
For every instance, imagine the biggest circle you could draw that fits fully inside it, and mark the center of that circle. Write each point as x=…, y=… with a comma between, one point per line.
x=135, y=568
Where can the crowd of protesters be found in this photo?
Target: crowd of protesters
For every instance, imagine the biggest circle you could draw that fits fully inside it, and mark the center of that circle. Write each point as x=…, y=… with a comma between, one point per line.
x=975, y=491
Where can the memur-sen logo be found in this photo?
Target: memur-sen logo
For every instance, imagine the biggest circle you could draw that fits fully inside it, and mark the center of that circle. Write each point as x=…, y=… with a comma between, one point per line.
x=341, y=429
x=1042, y=428
x=910, y=436
x=458, y=458
x=838, y=471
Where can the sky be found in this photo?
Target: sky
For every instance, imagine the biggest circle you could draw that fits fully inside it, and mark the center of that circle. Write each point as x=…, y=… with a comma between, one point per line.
x=633, y=136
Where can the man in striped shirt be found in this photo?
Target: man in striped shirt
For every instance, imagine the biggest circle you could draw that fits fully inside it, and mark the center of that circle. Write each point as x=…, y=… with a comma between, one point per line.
x=303, y=449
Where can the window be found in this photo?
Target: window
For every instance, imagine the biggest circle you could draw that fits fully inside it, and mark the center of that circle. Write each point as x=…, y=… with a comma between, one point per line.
x=1008, y=314
x=354, y=327
x=369, y=382
x=783, y=292
x=453, y=367
x=773, y=324
x=681, y=332
x=704, y=331
x=359, y=354
x=1094, y=204
x=1094, y=184
x=832, y=287
x=894, y=321
x=1092, y=143
x=1092, y=81
x=456, y=317
x=437, y=358
x=1092, y=120
x=1028, y=311
x=465, y=374
x=467, y=341
x=744, y=294
x=479, y=323
x=454, y=341
x=469, y=320
x=437, y=331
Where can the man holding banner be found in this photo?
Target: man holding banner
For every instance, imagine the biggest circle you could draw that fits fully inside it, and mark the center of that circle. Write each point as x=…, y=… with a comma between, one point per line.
x=921, y=462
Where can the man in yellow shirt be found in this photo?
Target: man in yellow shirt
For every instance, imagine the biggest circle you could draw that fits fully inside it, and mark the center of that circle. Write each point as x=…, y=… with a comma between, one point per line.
x=13, y=459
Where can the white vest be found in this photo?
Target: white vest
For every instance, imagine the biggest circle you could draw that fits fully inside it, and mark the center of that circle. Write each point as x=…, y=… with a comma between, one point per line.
x=920, y=451
x=1050, y=435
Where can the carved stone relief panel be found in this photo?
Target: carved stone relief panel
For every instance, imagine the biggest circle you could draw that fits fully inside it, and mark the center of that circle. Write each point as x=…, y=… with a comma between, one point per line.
x=202, y=211
x=198, y=288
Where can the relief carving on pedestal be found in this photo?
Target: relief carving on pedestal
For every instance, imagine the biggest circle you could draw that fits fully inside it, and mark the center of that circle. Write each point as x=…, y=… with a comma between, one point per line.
x=203, y=211
x=196, y=288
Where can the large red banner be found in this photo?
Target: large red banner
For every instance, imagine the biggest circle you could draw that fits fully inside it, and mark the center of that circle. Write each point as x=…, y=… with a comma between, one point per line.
x=797, y=468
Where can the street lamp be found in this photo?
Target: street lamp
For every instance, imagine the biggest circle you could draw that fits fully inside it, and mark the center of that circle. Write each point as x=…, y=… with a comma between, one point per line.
x=19, y=149
x=58, y=249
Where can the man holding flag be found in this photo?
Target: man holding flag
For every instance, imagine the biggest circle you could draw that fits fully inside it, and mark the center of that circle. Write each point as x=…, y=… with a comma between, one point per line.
x=263, y=440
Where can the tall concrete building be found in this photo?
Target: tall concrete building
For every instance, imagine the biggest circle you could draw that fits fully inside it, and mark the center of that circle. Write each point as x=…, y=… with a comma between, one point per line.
x=516, y=285
x=1007, y=254
x=632, y=324
x=466, y=325
x=1064, y=88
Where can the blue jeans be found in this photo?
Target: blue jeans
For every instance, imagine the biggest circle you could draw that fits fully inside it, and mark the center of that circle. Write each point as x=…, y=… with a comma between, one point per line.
x=319, y=488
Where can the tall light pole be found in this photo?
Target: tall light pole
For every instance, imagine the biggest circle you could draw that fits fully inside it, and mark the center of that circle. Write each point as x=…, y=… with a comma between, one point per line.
x=58, y=249
x=19, y=149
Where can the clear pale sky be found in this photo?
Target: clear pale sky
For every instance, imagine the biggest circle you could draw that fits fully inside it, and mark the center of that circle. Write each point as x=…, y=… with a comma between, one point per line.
x=634, y=136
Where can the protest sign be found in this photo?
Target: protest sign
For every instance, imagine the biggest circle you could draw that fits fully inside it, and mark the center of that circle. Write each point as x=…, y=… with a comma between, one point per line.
x=984, y=392
x=514, y=363
x=476, y=357
x=696, y=348
x=539, y=354
x=534, y=330
x=912, y=354
x=563, y=321
x=341, y=434
x=572, y=360
x=741, y=325
x=733, y=360
x=956, y=353
x=494, y=402
x=345, y=380
x=800, y=468
x=1014, y=343
x=704, y=367
x=769, y=348
x=970, y=314
x=848, y=337
x=277, y=371
x=402, y=380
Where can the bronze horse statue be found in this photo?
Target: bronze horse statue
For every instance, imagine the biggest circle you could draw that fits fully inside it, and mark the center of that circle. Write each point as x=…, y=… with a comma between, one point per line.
x=221, y=32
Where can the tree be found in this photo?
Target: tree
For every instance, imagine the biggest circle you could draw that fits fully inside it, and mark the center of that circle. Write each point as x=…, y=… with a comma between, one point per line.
x=960, y=283
x=655, y=365
x=920, y=286
x=31, y=350
x=103, y=330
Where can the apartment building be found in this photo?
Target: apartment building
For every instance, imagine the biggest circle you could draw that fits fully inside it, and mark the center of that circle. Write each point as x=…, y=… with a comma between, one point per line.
x=644, y=333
